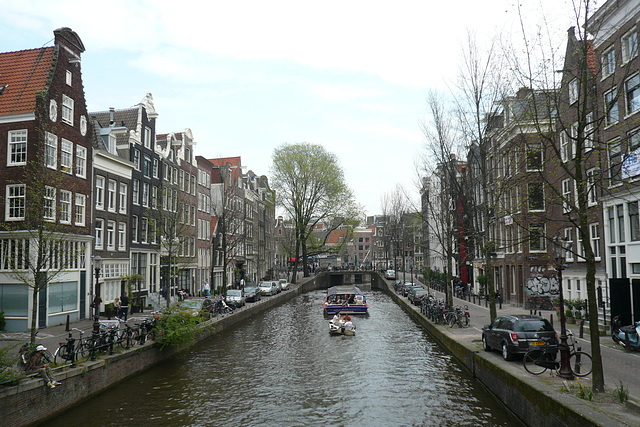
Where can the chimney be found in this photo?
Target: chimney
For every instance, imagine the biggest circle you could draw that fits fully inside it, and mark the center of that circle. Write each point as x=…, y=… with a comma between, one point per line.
x=112, y=121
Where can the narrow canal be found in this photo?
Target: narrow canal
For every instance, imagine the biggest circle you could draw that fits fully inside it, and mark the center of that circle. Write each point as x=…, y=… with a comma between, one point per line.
x=282, y=368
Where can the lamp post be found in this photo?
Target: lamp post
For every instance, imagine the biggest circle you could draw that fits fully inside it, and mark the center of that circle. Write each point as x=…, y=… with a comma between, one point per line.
x=97, y=266
x=559, y=251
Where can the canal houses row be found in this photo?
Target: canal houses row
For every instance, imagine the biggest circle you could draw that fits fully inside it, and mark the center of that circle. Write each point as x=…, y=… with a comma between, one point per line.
x=561, y=173
x=114, y=205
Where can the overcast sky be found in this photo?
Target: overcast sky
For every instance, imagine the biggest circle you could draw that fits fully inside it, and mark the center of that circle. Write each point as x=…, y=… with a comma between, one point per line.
x=248, y=76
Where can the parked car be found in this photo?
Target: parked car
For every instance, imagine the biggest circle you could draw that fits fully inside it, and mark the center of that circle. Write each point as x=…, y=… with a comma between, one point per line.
x=284, y=284
x=268, y=288
x=197, y=306
x=512, y=334
x=390, y=274
x=417, y=296
x=252, y=293
x=236, y=297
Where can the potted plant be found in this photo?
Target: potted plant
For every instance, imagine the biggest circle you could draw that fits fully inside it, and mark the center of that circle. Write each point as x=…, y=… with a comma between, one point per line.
x=568, y=314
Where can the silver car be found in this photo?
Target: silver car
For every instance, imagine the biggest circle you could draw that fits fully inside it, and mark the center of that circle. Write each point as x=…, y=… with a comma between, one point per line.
x=284, y=285
x=268, y=288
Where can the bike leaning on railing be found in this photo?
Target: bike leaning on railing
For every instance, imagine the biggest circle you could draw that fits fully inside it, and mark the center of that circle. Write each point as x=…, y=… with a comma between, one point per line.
x=73, y=350
x=542, y=356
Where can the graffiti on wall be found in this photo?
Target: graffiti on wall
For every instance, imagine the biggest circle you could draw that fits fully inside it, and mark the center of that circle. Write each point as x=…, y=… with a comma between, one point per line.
x=542, y=286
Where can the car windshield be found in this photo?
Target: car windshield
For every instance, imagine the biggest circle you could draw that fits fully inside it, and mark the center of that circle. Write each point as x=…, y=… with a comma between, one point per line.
x=233, y=293
x=265, y=285
x=533, y=326
x=191, y=303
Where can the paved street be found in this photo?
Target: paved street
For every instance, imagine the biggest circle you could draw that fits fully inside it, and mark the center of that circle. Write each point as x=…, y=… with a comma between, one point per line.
x=618, y=364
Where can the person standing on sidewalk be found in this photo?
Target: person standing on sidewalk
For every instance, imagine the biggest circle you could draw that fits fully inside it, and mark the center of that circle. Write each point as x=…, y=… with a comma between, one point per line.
x=206, y=289
x=36, y=364
x=124, y=306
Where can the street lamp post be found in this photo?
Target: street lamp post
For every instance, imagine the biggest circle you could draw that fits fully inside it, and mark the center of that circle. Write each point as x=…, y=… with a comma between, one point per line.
x=97, y=266
x=559, y=250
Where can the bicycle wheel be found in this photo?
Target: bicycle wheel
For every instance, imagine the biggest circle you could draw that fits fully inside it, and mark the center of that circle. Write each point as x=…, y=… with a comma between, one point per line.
x=581, y=363
x=465, y=321
x=82, y=352
x=452, y=320
x=531, y=362
x=61, y=354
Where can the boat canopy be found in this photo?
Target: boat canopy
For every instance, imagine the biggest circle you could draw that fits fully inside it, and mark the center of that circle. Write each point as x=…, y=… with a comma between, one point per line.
x=344, y=290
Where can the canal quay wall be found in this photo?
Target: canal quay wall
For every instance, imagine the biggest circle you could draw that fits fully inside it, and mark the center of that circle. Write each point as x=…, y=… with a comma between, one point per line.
x=535, y=400
x=32, y=402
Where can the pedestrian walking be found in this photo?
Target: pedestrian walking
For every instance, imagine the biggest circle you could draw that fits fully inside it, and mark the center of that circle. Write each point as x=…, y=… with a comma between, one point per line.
x=124, y=306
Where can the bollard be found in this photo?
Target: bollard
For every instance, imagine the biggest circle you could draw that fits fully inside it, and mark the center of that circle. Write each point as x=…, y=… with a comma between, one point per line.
x=582, y=328
x=67, y=327
x=551, y=319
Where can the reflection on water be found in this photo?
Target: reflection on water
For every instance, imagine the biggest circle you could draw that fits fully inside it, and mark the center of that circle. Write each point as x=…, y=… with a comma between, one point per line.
x=282, y=367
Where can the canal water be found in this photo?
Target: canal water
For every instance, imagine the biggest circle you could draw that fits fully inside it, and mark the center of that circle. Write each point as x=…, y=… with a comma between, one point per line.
x=282, y=368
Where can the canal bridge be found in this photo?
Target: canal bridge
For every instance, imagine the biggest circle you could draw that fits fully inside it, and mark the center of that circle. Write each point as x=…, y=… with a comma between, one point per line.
x=327, y=279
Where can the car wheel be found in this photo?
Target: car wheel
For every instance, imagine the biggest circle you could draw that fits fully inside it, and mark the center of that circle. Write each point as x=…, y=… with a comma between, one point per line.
x=506, y=355
x=485, y=344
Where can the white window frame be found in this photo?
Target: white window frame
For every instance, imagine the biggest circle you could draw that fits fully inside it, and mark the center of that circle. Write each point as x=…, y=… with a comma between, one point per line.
x=592, y=195
x=135, y=192
x=589, y=142
x=608, y=62
x=632, y=87
x=111, y=195
x=49, y=203
x=66, y=156
x=147, y=137
x=100, y=192
x=99, y=226
x=134, y=228
x=17, y=147
x=15, y=202
x=629, y=43
x=611, y=106
x=67, y=110
x=144, y=230
x=81, y=161
x=65, y=206
x=122, y=236
x=155, y=168
x=594, y=234
x=541, y=234
x=564, y=146
x=136, y=159
x=566, y=195
x=145, y=194
x=568, y=237
x=68, y=78
x=111, y=235
x=573, y=91
x=80, y=209
x=122, y=195
x=51, y=150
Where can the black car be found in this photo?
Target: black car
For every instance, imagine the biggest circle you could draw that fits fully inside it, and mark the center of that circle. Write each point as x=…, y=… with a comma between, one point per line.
x=512, y=334
x=252, y=293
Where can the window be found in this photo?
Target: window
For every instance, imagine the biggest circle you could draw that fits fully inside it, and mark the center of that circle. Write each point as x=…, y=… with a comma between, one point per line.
x=589, y=141
x=612, y=224
x=147, y=137
x=136, y=192
x=122, y=203
x=111, y=196
x=99, y=192
x=620, y=214
x=122, y=235
x=573, y=91
x=111, y=235
x=145, y=194
x=152, y=230
x=17, y=149
x=15, y=203
x=65, y=207
x=595, y=239
x=629, y=46
x=146, y=166
x=80, y=209
x=193, y=185
x=536, y=196
x=154, y=197
x=592, y=195
x=534, y=156
x=634, y=221
x=134, y=228
x=182, y=181
x=68, y=78
x=136, y=159
x=81, y=161
x=566, y=195
x=66, y=155
x=49, y=203
x=615, y=162
x=565, y=147
x=608, y=62
x=611, y=106
x=632, y=93
x=99, y=233
x=144, y=230
x=568, y=237
x=537, y=241
x=67, y=110
x=155, y=168
x=51, y=151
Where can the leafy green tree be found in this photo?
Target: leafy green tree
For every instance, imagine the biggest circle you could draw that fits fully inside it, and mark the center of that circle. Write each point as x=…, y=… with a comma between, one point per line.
x=310, y=186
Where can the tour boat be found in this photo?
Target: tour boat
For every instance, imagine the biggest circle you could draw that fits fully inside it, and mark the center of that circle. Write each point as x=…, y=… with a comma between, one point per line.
x=345, y=300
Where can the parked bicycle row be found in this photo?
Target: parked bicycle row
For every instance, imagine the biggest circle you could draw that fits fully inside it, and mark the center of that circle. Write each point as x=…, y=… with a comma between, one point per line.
x=432, y=307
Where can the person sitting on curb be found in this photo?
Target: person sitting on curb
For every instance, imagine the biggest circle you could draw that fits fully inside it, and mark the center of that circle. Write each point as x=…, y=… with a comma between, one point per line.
x=36, y=364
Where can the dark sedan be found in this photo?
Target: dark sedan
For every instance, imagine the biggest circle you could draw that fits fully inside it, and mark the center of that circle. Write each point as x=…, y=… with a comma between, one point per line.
x=252, y=293
x=513, y=334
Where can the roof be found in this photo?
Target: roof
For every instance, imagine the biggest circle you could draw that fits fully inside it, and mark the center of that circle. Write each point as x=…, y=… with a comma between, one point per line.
x=26, y=73
x=126, y=118
x=335, y=236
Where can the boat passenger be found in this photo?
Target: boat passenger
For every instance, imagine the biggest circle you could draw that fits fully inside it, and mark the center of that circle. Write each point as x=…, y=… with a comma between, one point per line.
x=336, y=318
x=346, y=318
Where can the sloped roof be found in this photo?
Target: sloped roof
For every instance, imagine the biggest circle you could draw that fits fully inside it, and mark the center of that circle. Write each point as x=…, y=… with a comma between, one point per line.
x=127, y=117
x=335, y=236
x=26, y=73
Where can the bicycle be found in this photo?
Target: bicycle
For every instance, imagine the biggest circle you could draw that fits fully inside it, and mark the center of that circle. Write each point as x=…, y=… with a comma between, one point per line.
x=70, y=351
x=542, y=356
x=459, y=316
